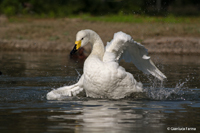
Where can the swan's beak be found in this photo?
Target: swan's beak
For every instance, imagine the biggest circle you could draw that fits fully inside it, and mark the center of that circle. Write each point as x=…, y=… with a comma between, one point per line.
x=76, y=47
x=78, y=44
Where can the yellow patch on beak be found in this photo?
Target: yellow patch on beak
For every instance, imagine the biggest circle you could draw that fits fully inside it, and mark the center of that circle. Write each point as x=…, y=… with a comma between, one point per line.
x=78, y=44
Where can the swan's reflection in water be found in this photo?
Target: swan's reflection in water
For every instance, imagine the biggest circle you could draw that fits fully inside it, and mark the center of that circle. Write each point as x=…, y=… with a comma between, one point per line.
x=111, y=116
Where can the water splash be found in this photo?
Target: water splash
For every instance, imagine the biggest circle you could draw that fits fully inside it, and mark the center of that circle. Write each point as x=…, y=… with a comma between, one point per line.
x=157, y=91
x=79, y=75
x=74, y=79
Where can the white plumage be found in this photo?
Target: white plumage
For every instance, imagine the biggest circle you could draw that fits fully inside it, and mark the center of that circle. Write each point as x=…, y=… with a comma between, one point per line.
x=102, y=76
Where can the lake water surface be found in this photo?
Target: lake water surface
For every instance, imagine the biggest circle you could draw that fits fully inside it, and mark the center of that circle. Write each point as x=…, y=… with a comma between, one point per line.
x=173, y=105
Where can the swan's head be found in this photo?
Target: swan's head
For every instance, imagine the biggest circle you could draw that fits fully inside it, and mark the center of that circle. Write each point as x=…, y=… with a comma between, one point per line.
x=82, y=39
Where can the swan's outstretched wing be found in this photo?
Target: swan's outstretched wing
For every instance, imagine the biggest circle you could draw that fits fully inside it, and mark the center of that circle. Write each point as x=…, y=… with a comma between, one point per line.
x=124, y=47
x=72, y=90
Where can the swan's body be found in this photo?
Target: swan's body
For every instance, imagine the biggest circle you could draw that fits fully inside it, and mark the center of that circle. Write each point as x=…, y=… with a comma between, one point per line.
x=102, y=76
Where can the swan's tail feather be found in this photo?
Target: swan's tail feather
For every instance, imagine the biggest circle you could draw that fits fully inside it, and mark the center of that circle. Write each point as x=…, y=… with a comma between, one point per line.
x=61, y=92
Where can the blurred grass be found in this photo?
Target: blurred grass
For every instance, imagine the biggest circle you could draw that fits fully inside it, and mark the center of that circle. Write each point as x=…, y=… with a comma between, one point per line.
x=117, y=18
x=140, y=19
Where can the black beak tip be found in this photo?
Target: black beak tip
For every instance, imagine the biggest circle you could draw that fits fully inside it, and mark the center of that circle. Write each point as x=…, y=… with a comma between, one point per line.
x=73, y=51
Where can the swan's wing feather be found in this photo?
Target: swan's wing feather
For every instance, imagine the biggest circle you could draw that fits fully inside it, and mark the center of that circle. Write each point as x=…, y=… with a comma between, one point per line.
x=124, y=47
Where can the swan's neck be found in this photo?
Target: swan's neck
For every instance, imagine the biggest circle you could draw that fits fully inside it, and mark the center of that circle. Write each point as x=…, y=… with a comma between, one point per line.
x=97, y=46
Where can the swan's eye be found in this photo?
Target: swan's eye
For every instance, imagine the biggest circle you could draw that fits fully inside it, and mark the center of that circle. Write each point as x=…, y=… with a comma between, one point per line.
x=81, y=38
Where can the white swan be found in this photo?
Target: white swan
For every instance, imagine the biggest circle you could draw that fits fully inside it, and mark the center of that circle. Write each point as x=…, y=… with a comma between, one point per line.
x=102, y=76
